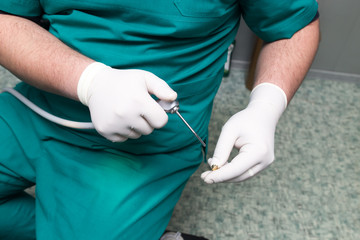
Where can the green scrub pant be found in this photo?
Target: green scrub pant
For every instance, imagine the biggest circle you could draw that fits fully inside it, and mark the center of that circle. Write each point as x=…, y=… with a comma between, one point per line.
x=82, y=192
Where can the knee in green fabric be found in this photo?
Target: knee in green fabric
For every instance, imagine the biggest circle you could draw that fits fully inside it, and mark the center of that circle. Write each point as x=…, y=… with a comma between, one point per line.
x=17, y=218
x=15, y=168
x=114, y=196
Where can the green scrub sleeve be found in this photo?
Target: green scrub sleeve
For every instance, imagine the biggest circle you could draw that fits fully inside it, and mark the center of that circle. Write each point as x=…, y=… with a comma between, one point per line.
x=25, y=8
x=273, y=20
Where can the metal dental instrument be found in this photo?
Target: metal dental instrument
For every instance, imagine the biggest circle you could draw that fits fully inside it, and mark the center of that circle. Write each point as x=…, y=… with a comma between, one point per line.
x=173, y=107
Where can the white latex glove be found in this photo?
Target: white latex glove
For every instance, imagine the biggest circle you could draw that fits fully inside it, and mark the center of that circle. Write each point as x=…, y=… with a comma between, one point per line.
x=120, y=103
x=252, y=132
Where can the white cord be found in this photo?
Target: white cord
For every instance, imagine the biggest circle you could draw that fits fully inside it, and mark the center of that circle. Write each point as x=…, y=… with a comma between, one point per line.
x=48, y=116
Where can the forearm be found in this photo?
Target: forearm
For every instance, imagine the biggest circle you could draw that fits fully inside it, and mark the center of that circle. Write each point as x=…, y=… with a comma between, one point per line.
x=286, y=62
x=38, y=58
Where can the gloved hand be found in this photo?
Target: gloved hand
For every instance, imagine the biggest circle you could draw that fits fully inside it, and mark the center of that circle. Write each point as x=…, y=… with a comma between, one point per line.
x=120, y=103
x=252, y=132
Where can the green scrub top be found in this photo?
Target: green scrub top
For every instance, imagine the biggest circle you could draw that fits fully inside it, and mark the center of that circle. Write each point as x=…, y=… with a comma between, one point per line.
x=183, y=42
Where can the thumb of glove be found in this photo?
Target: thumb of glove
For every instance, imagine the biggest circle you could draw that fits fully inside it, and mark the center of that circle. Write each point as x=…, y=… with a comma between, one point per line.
x=159, y=88
x=221, y=155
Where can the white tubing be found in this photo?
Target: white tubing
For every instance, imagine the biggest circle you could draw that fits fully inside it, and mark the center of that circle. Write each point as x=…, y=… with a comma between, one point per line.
x=48, y=116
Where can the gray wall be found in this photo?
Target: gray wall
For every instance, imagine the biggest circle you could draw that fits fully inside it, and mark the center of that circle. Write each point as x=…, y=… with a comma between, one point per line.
x=339, y=50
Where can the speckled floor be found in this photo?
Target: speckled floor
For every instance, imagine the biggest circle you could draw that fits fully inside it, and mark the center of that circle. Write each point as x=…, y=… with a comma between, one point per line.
x=312, y=190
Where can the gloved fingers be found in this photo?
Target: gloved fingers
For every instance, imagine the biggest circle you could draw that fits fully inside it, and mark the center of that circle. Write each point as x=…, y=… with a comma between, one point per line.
x=248, y=174
x=204, y=174
x=223, y=147
x=223, y=174
x=123, y=136
x=133, y=133
x=238, y=166
x=153, y=113
x=159, y=88
x=139, y=126
x=119, y=133
x=116, y=138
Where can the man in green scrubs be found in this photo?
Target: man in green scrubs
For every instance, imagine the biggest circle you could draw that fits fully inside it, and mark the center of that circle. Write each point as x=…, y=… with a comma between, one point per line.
x=107, y=62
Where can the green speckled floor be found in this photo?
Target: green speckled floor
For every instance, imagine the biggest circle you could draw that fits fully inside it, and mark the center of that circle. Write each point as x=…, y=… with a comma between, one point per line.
x=312, y=190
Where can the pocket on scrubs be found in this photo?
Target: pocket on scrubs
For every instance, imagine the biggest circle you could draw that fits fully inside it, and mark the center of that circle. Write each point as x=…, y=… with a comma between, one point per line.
x=204, y=8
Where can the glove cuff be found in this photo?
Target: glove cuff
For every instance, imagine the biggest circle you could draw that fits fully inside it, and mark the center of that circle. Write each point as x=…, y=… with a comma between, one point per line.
x=270, y=95
x=86, y=80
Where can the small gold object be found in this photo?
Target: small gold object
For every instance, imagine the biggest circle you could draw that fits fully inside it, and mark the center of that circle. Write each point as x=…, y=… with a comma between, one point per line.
x=214, y=167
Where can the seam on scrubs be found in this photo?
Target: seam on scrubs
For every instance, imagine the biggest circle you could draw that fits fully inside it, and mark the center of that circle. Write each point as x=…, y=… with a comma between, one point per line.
x=190, y=11
x=174, y=16
x=96, y=5
x=308, y=14
x=284, y=30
